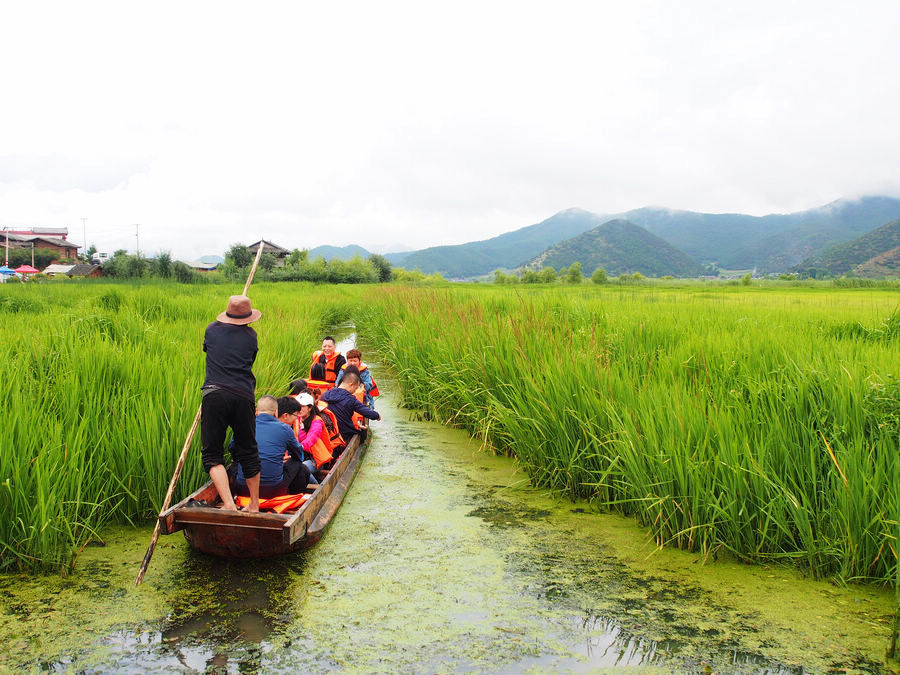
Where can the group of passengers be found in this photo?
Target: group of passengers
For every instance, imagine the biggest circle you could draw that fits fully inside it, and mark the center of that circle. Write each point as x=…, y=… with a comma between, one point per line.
x=291, y=441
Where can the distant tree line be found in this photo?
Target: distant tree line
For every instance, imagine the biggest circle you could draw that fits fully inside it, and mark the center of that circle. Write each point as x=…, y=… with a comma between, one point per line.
x=298, y=267
x=547, y=275
x=42, y=257
x=124, y=266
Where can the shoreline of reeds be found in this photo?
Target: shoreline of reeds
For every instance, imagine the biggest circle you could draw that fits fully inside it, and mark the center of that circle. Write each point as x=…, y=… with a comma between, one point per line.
x=759, y=421
x=102, y=383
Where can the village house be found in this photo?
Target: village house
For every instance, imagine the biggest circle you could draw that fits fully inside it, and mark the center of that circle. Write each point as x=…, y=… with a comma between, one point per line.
x=63, y=249
x=81, y=271
x=85, y=271
x=200, y=266
x=268, y=247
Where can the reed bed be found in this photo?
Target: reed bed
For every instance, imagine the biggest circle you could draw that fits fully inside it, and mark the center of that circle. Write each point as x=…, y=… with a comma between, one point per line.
x=101, y=385
x=759, y=421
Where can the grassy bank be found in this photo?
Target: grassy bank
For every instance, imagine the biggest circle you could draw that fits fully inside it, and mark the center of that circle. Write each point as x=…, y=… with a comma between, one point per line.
x=763, y=421
x=101, y=385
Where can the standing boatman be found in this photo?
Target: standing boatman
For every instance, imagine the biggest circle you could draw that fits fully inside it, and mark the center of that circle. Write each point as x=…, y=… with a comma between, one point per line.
x=229, y=393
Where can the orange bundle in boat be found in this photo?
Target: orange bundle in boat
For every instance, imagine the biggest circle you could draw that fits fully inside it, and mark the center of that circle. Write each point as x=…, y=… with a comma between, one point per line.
x=277, y=504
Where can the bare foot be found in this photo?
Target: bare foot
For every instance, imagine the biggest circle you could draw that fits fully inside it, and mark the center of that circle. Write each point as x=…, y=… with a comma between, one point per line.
x=229, y=507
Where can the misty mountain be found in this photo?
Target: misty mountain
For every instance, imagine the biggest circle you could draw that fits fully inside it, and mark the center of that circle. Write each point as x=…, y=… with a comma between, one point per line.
x=876, y=254
x=338, y=252
x=506, y=251
x=772, y=243
x=619, y=247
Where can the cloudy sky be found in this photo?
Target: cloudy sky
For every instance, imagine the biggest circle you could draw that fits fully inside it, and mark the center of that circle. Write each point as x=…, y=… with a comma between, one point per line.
x=408, y=124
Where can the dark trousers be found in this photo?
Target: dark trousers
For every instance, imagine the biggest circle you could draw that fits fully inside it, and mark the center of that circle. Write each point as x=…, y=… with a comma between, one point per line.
x=219, y=410
x=295, y=478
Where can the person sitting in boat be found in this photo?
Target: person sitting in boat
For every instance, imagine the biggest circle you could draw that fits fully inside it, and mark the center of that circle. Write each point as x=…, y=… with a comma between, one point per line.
x=317, y=383
x=297, y=387
x=343, y=404
x=274, y=437
x=354, y=358
x=310, y=431
x=330, y=360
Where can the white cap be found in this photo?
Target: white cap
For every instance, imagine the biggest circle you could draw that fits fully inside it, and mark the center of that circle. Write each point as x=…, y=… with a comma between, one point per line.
x=305, y=399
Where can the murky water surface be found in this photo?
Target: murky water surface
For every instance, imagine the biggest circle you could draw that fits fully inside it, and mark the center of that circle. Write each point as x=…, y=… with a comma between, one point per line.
x=440, y=560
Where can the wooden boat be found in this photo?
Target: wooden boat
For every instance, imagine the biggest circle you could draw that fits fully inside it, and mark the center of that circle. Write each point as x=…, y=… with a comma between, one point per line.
x=236, y=534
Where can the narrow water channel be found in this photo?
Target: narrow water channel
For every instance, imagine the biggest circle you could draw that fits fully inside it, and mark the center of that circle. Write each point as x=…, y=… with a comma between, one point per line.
x=441, y=559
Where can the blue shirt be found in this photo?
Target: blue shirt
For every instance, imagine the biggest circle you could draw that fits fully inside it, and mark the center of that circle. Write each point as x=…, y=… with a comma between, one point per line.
x=273, y=438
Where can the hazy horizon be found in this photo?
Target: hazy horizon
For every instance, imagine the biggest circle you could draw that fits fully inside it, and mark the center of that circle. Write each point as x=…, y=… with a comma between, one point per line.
x=427, y=124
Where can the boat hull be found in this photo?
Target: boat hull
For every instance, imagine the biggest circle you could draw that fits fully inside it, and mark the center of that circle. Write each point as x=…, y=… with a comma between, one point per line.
x=240, y=535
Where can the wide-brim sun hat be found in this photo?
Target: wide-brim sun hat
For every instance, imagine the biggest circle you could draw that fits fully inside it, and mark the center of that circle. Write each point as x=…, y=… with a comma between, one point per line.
x=305, y=399
x=239, y=312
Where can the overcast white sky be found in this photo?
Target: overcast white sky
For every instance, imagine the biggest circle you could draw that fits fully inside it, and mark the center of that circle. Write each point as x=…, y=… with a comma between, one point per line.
x=412, y=124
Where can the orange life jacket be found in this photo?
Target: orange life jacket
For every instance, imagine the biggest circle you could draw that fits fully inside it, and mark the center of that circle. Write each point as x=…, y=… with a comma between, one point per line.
x=360, y=395
x=334, y=434
x=277, y=504
x=321, y=449
x=361, y=367
x=320, y=386
x=330, y=370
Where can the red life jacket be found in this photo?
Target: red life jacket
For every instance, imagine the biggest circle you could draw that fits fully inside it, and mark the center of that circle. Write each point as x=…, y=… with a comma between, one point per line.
x=330, y=369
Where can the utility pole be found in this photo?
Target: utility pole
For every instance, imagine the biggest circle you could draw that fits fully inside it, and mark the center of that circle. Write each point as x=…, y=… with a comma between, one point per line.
x=84, y=230
x=137, y=237
x=6, y=236
x=32, y=252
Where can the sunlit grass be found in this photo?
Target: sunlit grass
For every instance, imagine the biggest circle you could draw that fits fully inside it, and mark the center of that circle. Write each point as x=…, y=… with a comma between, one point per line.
x=101, y=383
x=761, y=421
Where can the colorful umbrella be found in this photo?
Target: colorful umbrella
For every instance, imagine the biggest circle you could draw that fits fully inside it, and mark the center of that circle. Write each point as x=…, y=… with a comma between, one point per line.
x=7, y=271
x=26, y=269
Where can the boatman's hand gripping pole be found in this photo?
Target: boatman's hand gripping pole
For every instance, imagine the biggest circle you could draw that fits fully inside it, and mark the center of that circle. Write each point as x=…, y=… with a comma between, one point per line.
x=184, y=450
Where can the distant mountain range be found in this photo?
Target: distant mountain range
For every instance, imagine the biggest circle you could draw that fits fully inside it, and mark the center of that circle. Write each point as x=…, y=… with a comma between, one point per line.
x=732, y=241
x=876, y=254
x=773, y=243
x=338, y=252
x=505, y=251
x=619, y=247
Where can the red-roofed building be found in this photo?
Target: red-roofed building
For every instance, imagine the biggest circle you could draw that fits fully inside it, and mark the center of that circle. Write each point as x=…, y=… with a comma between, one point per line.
x=52, y=232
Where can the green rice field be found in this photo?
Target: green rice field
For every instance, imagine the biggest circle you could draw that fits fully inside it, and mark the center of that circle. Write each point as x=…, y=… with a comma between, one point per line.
x=758, y=421
x=102, y=384
x=763, y=422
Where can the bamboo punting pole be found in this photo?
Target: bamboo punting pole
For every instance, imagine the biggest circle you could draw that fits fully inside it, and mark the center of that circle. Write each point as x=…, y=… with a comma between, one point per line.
x=184, y=450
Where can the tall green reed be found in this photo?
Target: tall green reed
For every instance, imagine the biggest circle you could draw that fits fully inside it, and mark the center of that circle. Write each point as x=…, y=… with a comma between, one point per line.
x=101, y=385
x=722, y=418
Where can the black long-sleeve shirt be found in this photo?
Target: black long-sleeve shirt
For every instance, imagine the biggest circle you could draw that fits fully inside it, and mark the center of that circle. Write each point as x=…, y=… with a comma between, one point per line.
x=230, y=353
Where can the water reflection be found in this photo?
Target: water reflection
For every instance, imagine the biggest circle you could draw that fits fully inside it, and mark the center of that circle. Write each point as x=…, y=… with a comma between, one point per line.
x=224, y=618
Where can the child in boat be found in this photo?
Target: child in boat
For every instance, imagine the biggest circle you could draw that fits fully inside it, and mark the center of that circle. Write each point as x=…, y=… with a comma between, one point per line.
x=343, y=404
x=354, y=358
x=274, y=437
